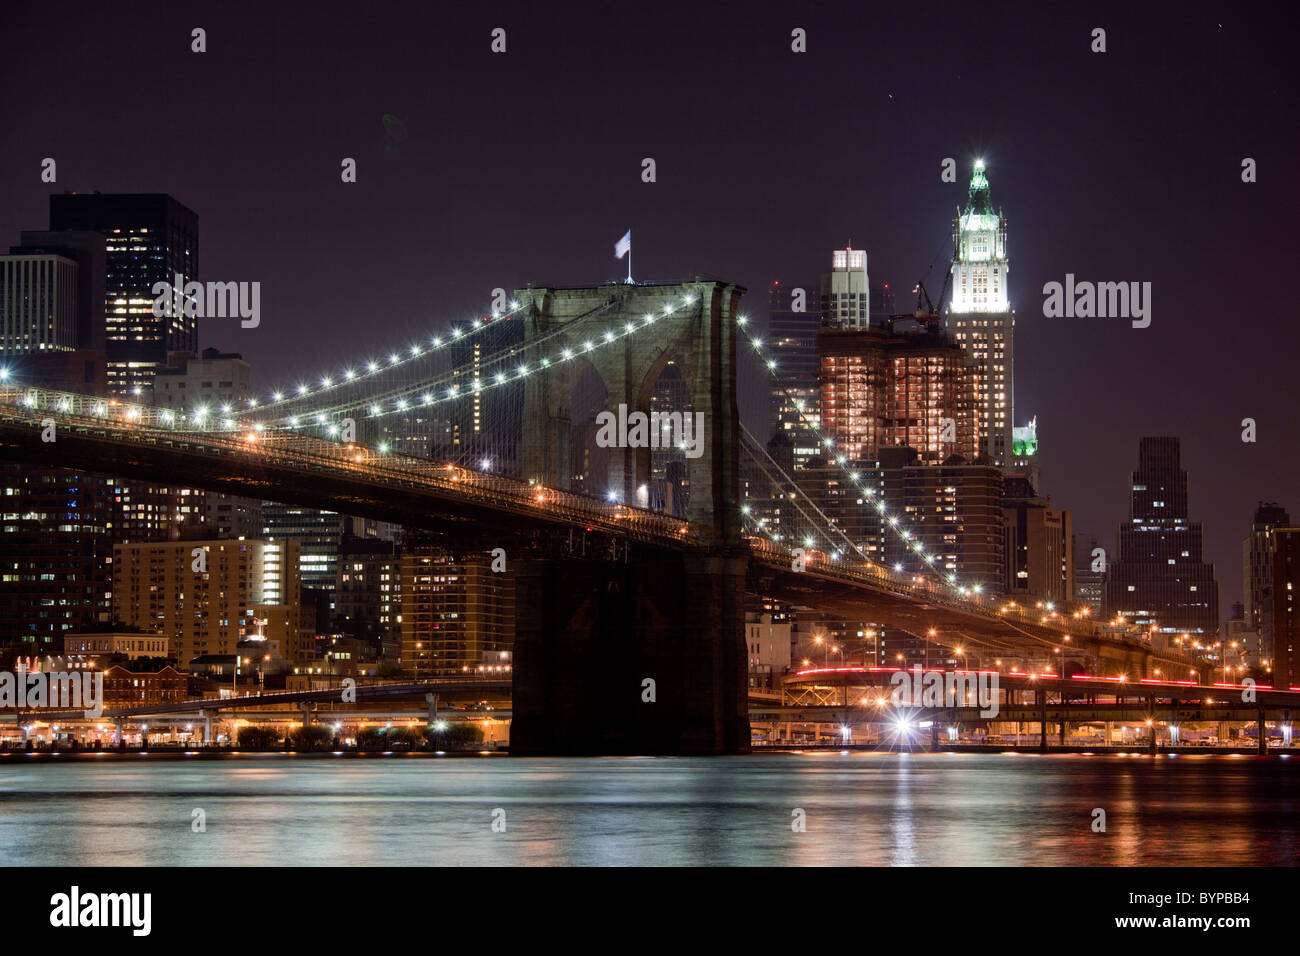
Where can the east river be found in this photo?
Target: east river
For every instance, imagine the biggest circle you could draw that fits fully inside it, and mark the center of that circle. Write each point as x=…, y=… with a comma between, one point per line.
x=876, y=809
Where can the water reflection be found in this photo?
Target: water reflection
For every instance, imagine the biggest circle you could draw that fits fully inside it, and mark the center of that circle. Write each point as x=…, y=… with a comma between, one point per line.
x=862, y=809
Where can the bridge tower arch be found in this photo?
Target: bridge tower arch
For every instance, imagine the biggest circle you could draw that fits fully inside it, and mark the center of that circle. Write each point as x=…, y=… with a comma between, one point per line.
x=699, y=338
x=645, y=655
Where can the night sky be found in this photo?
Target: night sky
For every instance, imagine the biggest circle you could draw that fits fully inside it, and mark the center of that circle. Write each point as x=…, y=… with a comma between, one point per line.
x=525, y=167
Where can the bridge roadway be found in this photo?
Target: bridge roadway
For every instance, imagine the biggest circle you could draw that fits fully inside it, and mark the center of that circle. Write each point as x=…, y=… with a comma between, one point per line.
x=142, y=441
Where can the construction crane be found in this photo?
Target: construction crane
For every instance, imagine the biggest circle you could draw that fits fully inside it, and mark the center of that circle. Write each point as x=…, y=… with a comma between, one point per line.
x=929, y=313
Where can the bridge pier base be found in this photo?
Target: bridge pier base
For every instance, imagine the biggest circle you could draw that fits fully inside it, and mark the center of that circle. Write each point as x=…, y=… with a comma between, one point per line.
x=642, y=657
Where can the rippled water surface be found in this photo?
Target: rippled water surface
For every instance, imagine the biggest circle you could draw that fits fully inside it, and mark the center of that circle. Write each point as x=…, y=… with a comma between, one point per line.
x=860, y=808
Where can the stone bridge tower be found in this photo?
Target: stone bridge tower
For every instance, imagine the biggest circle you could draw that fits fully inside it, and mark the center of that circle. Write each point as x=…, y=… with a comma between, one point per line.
x=589, y=633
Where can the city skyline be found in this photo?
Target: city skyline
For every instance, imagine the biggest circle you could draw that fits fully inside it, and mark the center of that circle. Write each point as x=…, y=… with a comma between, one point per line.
x=419, y=246
x=689, y=434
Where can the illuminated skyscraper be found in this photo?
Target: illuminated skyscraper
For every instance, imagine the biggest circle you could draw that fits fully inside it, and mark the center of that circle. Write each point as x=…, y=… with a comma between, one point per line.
x=38, y=304
x=150, y=238
x=981, y=318
x=846, y=297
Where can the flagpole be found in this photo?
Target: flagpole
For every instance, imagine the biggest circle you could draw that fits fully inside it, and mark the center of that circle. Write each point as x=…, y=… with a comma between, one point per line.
x=629, y=263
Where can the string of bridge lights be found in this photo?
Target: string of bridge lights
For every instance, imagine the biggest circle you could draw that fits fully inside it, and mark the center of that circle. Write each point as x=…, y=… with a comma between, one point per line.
x=412, y=396
x=854, y=477
x=396, y=359
x=429, y=398
x=65, y=402
x=776, y=537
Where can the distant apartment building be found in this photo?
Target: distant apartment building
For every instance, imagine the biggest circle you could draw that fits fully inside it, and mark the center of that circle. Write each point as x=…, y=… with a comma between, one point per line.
x=368, y=592
x=57, y=528
x=220, y=382
x=129, y=644
x=455, y=609
x=954, y=513
x=1040, y=563
x=206, y=596
x=89, y=251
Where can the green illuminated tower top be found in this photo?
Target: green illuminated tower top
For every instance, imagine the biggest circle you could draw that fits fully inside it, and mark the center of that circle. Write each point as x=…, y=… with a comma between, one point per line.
x=980, y=266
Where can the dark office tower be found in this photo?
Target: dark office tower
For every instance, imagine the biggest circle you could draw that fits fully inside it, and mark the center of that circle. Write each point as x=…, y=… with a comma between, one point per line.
x=57, y=528
x=954, y=511
x=1285, y=653
x=368, y=591
x=1257, y=572
x=793, y=320
x=1158, y=576
x=882, y=304
x=57, y=542
x=149, y=238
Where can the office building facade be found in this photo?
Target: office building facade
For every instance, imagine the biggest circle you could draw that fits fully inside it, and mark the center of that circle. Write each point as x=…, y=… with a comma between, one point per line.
x=150, y=238
x=1257, y=571
x=1158, y=577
